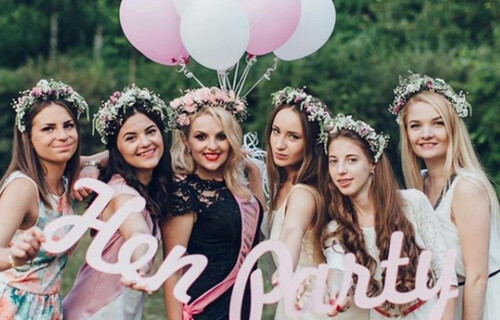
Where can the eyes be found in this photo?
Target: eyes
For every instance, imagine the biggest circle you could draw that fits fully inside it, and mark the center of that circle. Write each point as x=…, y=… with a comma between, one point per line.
x=290, y=135
x=418, y=125
x=51, y=128
x=149, y=132
x=200, y=136
x=349, y=160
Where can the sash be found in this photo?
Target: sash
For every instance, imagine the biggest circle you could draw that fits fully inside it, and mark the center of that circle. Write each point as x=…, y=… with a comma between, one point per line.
x=249, y=227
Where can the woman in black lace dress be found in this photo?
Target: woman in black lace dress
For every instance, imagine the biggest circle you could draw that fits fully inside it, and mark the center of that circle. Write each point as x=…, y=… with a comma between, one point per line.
x=214, y=208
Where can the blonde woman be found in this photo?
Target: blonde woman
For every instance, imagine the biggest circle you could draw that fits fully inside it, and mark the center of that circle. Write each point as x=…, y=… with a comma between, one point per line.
x=430, y=116
x=214, y=209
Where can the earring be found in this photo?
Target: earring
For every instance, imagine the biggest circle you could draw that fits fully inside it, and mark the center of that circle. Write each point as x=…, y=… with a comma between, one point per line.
x=372, y=173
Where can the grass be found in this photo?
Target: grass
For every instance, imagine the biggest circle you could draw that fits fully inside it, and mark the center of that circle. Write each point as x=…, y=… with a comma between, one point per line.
x=154, y=307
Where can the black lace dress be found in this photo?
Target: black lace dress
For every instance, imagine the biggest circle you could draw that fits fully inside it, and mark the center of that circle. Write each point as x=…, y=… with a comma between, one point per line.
x=216, y=234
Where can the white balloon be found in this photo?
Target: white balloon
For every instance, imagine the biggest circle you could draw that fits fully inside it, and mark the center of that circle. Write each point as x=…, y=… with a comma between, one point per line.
x=181, y=5
x=215, y=32
x=316, y=24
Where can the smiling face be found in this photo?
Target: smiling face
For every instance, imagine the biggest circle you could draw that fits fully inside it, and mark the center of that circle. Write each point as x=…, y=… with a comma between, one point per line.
x=54, y=135
x=209, y=146
x=426, y=132
x=140, y=143
x=349, y=167
x=287, y=139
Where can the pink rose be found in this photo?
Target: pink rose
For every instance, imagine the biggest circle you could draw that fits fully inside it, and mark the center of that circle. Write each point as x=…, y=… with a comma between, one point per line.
x=36, y=92
x=183, y=120
x=190, y=108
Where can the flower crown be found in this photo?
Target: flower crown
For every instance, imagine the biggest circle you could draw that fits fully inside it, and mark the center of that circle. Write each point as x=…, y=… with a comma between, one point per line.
x=195, y=100
x=110, y=116
x=377, y=142
x=415, y=83
x=45, y=90
x=315, y=109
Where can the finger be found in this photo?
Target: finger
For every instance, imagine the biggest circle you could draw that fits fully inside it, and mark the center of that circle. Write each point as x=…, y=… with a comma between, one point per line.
x=38, y=234
x=17, y=253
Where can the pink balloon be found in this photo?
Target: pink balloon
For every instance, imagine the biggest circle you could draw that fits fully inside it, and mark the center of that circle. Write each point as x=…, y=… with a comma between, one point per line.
x=272, y=22
x=152, y=26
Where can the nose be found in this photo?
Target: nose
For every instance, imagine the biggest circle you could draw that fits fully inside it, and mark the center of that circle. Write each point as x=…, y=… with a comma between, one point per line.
x=62, y=134
x=145, y=142
x=341, y=168
x=427, y=132
x=280, y=144
x=212, y=144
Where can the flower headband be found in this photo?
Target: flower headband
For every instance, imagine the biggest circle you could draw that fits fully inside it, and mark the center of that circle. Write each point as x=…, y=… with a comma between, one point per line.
x=196, y=100
x=110, y=116
x=415, y=83
x=377, y=142
x=45, y=90
x=315, y=109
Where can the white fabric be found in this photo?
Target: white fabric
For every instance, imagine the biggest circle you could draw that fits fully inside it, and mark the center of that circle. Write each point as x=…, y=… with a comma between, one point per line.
x=443, y=212
x=428, y=236
x=306, y=260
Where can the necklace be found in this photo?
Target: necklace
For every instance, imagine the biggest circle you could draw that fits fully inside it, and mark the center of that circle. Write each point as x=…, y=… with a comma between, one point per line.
x=443, y=190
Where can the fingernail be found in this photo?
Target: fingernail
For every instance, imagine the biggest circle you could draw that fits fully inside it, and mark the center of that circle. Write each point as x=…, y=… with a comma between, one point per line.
x=338, y=308
x=332, y=301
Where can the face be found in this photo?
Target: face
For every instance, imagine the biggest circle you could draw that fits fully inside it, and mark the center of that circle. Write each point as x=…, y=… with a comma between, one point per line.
x=140, y=143
x=349, y=168
x=426, y=132
x=54, y=135
x=287, y=139
x=209, y=146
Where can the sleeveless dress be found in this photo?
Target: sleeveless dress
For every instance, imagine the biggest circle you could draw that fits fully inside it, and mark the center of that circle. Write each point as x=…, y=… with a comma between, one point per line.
x=428, y=236
x=306, y=259
x=32, y=291
x=96, y=295
x=217, y=234
x=443, y=212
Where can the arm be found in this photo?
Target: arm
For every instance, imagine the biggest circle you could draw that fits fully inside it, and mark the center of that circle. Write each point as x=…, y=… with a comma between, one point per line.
x=299, y=214
x=89, y=171
x=472, y=218
x=18, y=201
x=101, y=157
x=255, y=182
x=175, y=231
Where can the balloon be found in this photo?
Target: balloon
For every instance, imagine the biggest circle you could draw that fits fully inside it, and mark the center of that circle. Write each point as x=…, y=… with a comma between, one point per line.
x=315, y=27
x=215, y=32
x=272, y=22
x=152, y=26
x=180, y=5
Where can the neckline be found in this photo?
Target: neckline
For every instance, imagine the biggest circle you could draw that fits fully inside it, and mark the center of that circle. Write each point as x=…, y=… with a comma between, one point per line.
x=209, y=180
x=444, y=190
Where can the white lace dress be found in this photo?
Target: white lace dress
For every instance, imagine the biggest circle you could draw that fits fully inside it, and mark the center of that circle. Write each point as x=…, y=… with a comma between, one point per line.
x=305, y=260
x=428, y=235
x=443, y=212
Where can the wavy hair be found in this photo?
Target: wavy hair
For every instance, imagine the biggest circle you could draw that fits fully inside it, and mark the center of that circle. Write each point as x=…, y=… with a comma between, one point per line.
x=232, y=169
x=390, y=217
x=460, y=153
x=158, y=193
x=25, y=159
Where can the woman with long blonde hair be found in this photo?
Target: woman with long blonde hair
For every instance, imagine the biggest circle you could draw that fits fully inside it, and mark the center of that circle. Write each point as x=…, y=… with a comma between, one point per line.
x=215, y=213
x=430, y=117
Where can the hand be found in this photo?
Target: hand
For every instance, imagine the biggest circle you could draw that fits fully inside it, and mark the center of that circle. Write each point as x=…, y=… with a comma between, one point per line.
x=179, y=177
x=338, y=308
x=134, y=285
x=85, y=172
x=27, y=246
x=302, y=293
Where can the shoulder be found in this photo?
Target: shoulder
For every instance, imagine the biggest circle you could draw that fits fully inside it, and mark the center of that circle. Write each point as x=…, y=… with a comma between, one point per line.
x=22, y=185
x=413, y=195
x=469, y=184
x=303, y=190
x=416, y=203
x=120, y=186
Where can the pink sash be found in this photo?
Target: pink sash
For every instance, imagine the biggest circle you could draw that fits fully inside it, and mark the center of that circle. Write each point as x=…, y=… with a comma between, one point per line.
x=249, y=227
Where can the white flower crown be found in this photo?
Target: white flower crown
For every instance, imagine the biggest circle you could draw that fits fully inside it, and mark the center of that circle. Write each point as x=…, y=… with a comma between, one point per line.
x=315, y=109
x=415, y=83
x=195, y=100
x=110, y=116
x=46, y=90
x=377, y=142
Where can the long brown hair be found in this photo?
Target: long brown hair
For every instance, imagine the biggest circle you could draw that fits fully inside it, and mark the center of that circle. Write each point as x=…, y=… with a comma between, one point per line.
x=307, y=172
x=25, y=159
x=390, y=217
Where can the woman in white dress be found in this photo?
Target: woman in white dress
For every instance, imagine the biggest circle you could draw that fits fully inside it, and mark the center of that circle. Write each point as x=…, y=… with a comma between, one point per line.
x=366, y=207
x=430, y=116
x=292, y=165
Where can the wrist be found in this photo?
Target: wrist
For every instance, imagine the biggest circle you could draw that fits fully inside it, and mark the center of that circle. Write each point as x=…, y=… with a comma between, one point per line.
x=92, y=163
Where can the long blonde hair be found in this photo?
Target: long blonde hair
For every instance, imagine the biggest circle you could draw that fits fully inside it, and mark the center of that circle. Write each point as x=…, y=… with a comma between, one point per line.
x=460, y=153
x=183, y=162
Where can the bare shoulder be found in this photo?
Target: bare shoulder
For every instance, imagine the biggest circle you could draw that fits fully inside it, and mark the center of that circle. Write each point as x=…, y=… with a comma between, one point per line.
x=20, y=190
x=467, y=189
x=470, y=197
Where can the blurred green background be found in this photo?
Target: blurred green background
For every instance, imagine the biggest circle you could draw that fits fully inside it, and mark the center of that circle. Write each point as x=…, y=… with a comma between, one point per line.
x=81, y=43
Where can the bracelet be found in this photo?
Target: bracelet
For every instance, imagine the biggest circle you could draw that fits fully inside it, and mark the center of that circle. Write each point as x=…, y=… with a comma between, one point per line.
x=92, y=163
x=11, y=261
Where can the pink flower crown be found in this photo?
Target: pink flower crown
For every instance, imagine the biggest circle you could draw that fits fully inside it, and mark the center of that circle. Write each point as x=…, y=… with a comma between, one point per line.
x=314, y=108
x=195, y=100
x=46, y=90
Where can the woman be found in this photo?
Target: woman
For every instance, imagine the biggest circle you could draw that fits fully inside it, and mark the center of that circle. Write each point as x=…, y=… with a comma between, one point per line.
x=131, y=125
x=214, y=209
x=366, y=207
x=35, y=191
x=430, y=116
x=292, y=165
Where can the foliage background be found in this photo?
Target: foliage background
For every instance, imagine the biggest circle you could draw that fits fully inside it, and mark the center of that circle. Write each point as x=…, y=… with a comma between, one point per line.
x=81, y=42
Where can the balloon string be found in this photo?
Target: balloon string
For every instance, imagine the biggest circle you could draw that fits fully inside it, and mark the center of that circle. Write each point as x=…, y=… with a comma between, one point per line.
x=236, y=69
x=250, y=60
x=184, y=70
x=266, y=75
